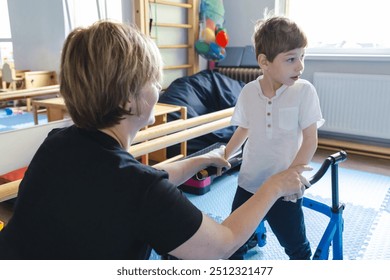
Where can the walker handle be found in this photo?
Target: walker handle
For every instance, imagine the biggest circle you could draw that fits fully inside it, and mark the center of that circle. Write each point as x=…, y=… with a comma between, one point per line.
x=334, y=159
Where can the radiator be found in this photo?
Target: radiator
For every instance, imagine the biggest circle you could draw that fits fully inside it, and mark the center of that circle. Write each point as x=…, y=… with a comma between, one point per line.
x=242, y=74
x=357, y=105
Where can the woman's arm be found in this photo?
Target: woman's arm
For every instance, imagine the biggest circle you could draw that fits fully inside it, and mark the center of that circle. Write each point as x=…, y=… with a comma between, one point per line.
x=220, y=241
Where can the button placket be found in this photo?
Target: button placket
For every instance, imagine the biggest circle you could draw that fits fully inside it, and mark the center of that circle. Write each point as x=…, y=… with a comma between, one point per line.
x=268, y=119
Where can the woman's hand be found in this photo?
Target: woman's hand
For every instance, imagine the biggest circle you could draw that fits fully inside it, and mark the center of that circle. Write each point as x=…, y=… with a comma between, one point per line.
x=290, y=182
x=293, y=198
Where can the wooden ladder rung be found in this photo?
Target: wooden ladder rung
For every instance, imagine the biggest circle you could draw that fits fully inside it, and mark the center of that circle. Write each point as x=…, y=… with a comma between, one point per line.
x=170, y=3
x=174, y=67
x=174, y=25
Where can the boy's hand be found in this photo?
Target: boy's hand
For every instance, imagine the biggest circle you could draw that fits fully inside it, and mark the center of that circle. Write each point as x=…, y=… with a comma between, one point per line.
x=217, y=159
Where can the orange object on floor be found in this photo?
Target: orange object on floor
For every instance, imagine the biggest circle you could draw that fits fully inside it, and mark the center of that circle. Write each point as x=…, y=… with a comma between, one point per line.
x=13, y=175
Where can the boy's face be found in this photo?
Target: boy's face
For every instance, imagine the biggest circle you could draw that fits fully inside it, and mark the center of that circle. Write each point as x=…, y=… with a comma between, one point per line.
x=287, y=67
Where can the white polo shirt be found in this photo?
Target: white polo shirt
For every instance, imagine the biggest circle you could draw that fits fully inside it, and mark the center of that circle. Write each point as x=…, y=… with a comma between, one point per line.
x=275, y=128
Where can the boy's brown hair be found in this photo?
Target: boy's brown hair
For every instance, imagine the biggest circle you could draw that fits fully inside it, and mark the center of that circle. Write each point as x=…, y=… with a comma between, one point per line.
x=103, y=67
x=277, y=35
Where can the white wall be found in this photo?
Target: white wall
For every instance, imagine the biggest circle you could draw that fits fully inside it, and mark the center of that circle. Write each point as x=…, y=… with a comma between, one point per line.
x=39, y=29
x=240, y=17
x=38, y=33
x=128, y=11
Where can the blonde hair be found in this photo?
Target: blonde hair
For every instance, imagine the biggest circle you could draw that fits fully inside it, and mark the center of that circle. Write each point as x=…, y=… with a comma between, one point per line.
x=103, y=67
x=276, y=35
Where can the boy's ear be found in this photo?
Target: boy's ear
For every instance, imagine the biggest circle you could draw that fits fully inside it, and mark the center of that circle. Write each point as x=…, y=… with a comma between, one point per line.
x=262, y=61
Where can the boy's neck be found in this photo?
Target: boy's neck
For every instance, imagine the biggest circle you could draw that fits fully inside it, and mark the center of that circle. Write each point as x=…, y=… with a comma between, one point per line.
x=269, y=87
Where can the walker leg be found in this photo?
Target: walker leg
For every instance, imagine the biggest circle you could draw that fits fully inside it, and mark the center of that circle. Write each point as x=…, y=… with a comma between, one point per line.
x=261, y=234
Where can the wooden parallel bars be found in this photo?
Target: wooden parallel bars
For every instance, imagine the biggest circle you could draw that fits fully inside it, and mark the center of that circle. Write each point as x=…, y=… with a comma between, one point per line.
x=9, y=190
x=29, y=93
x=178, y=137
x=178, y=125
x=177, y=132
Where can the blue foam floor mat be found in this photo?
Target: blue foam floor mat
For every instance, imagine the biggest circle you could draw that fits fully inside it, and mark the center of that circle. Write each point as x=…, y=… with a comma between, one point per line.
x=366, y=215
x=17, y=121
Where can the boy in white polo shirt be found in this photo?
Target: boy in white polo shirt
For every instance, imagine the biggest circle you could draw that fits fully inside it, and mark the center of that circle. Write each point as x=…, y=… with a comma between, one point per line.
x=277, y=117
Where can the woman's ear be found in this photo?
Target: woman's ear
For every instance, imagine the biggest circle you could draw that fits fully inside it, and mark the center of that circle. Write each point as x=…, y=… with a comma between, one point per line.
x=262, y=61
x=132, y=106
x=129, y=106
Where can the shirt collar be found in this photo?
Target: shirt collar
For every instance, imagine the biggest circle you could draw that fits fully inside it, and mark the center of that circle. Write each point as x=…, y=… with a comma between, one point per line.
x=279, y=91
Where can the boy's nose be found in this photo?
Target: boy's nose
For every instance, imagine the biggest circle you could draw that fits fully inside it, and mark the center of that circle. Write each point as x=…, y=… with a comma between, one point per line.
x=300, y=65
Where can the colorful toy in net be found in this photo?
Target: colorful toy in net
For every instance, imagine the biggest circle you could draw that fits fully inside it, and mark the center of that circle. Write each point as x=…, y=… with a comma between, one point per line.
x=213, y=37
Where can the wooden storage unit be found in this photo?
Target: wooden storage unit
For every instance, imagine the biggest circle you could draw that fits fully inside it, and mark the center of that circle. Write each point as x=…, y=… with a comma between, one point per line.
x=55, y=108
x=34, y=79
x=24, y=80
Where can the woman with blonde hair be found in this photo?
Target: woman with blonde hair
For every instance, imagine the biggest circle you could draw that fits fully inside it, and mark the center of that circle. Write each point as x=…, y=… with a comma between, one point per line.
x=85, y=197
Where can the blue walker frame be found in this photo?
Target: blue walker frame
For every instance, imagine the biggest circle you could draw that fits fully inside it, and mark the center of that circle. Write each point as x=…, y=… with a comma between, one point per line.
x=333, y=235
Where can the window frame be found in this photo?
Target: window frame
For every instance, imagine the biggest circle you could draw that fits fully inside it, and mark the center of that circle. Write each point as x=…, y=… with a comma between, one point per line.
x=6, y=39
x=369, y=54
x=101, y=10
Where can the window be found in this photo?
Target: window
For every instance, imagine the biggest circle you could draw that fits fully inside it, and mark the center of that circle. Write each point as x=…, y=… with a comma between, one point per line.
x=5, y=34
x=86, y=12
x=346, y=27
x=77, y=13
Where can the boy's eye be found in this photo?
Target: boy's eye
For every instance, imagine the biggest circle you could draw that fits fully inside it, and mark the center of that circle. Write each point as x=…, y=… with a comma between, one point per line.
x=291, y=59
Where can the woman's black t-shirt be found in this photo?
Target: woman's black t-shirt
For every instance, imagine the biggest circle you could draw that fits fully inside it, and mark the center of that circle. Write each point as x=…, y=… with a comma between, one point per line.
x=84, y=197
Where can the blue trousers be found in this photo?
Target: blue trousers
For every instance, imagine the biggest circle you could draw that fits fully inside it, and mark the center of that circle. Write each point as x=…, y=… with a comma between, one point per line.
x=287, y=223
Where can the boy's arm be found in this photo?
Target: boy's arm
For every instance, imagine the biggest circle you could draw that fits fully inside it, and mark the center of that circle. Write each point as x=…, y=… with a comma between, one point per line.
x=181, y=170
x=238, y=138
x=306, y=152
x=308, y=147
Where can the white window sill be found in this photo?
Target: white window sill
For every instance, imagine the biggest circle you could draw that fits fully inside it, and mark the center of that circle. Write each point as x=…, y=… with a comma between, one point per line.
x=348, y=57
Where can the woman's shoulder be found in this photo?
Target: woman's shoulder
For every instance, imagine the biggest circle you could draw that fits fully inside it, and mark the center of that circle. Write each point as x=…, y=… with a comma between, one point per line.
x=144, y=174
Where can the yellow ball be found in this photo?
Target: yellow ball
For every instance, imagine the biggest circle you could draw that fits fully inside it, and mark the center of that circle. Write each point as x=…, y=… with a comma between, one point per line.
x=208, y=35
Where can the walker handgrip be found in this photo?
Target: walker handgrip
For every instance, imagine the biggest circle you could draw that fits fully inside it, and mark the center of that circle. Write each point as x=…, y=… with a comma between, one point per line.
x=321, y=172
x=331, y=160
x=339, y=157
